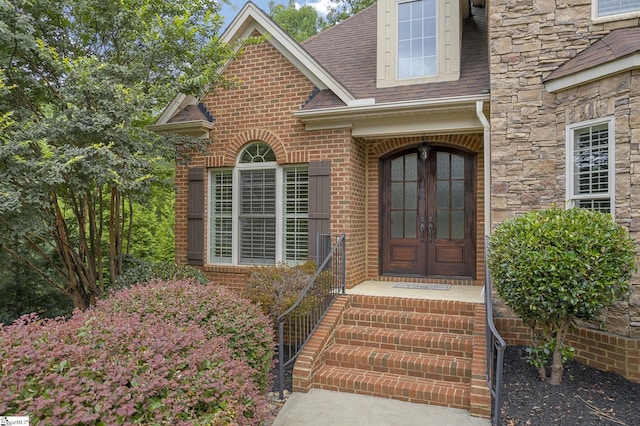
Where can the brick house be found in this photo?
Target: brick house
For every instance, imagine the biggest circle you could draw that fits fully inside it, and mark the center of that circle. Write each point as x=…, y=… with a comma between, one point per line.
x=414, y=128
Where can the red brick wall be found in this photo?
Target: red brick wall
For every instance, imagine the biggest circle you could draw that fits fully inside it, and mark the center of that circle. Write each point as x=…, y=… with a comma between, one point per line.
x=260, y=107
x=595, y=348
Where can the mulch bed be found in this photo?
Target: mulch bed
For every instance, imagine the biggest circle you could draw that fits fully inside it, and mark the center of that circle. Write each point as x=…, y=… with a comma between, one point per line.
x=585, y=397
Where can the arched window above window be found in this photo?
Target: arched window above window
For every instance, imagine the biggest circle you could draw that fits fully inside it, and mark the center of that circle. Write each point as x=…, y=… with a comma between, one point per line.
x=257, y=152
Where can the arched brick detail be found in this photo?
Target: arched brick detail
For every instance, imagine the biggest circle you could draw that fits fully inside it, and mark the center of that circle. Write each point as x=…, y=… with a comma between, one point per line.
x=466, y=142
x=253, y=135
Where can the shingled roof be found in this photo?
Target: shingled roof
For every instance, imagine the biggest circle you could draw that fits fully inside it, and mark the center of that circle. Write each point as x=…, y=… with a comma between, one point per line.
x=348, y=51
x=615, y=45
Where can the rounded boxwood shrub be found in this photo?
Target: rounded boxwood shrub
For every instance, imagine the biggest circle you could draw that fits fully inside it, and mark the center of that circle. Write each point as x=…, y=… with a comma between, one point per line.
x=217, y=310
x=554, y=266
x=113, y=368
x=141, y=271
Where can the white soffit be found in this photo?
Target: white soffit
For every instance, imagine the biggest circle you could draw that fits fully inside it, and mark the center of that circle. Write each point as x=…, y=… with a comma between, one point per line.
x=400, y=118
x=596, y=73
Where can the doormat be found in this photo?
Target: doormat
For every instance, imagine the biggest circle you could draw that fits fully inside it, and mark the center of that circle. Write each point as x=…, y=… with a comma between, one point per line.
x=423, y=286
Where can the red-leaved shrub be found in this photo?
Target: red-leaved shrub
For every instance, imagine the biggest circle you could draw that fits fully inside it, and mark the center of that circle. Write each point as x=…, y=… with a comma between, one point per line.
x=217, y=310
x=110, y=366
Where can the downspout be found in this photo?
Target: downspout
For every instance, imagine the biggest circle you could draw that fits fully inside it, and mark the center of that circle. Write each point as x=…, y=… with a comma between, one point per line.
x=487, y=166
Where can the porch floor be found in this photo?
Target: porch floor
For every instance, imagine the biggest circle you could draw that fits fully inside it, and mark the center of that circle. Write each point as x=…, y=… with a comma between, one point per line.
x=461, y=293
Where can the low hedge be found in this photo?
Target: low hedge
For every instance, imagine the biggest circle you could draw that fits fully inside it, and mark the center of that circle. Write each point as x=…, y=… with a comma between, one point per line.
x=217, y=310
x=162, y=353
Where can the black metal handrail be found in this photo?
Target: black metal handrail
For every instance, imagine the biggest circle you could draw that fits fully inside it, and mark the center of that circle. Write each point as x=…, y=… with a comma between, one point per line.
x=495, y=345
x=297, y=324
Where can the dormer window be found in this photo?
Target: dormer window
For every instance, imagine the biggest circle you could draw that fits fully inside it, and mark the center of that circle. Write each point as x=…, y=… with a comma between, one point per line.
x=417, y=39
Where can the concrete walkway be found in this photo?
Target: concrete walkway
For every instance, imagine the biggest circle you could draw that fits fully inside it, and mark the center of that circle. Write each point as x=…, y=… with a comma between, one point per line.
x=326, y=408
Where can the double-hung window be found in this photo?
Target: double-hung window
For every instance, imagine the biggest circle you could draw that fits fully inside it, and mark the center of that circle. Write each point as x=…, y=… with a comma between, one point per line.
x=605, y=8
x=590, y=165
x=259, y=211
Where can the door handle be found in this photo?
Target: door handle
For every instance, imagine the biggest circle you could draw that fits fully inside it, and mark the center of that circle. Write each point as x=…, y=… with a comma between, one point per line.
x=430, y=227
x=421, y=228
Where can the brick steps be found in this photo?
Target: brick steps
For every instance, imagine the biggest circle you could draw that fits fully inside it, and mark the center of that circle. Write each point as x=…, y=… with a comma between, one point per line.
x=408, y=341
x=419, y=365
x=386, y=385
x=413, y=321
x=415, y=350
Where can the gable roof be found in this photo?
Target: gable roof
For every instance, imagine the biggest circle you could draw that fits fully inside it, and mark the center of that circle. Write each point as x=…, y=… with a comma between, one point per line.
x=341, y=63
x=616, y=52
x=251, y=18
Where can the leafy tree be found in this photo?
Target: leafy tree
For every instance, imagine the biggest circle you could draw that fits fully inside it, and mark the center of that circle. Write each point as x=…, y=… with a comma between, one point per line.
x=342, y=9
x=82, y=79
x=300, y=23
x=555, y=266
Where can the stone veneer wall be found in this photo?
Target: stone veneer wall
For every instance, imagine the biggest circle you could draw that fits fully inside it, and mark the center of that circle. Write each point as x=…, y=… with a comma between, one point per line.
x=528, y=40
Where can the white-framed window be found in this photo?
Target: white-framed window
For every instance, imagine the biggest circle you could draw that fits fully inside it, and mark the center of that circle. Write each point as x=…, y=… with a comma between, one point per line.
x=605, y=8
x=591, y=165
x=258, y=211
x=417, y=39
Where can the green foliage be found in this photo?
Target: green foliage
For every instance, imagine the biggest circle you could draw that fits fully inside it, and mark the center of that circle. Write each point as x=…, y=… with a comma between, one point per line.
x=342, y=9
x=152, y=234
x=83, y=79
x=299, y=22
x=24, y=291
x=140, y=271
x=554, y=266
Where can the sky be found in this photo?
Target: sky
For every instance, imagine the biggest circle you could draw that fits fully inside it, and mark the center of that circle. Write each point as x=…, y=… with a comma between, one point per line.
x=230, y=11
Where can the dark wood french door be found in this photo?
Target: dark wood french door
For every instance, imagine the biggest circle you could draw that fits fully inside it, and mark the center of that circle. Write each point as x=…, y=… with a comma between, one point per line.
x=428, y=214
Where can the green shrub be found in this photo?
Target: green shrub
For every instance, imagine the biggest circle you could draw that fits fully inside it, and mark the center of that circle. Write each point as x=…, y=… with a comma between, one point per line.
x=216, y=310
x=554, y=266
x=140, y=271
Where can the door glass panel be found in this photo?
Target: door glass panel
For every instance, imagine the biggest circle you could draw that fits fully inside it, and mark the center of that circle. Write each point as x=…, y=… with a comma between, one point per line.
x=411, y=167
x=457, y=167
x=457, y=194
x=443, y=165
x=457, y=224
x=410, y=224
x=442, y=224
x=411, y=195
x=396, y=224
x=443, y=194
x=397, y=196
x=397, y=167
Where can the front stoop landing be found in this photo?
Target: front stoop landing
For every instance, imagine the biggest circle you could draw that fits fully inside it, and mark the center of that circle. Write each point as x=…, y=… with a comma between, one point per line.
x=415, y=350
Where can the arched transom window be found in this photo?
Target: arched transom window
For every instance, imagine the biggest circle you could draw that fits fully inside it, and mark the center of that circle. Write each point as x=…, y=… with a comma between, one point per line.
x=259, y=211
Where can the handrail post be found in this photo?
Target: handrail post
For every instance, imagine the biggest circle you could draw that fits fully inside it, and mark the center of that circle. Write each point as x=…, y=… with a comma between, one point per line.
x=495, y=343
x=344, y=262
x=281, y=357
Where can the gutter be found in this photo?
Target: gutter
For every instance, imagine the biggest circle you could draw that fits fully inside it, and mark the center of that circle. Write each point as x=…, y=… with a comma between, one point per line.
x=363, y=107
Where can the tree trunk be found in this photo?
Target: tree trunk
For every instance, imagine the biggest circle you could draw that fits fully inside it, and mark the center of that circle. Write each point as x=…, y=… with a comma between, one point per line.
x=542, y=372
x=557, y=366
